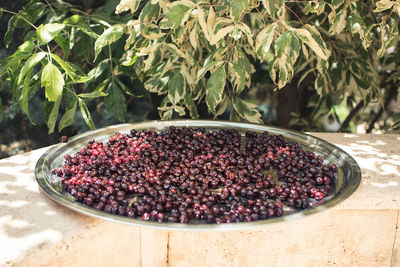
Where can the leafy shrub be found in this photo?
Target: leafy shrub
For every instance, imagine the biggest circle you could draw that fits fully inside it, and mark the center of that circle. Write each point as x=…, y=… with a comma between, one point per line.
x=195, y=52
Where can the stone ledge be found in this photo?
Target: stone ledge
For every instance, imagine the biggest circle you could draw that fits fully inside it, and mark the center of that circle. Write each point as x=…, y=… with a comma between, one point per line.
x=34, y=230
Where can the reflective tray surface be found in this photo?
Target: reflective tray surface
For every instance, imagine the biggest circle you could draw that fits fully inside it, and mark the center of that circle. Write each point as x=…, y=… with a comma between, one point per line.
x=348, y=176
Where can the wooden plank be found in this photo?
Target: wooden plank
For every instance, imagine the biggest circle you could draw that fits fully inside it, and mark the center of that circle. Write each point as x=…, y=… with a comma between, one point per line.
x=396, y=245
x=332, y=238
x=100, y=244
x=154, y=248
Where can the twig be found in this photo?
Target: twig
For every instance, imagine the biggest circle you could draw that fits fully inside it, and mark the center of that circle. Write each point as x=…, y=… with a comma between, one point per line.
x=295, y=15
x=111, y=64
x=354, y=112
x=17, y=14
x=54, y=12
x=230, y=50
x=389, y=97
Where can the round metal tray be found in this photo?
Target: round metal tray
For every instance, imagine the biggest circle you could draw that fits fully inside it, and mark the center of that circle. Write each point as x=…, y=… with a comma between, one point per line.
x=348, y=176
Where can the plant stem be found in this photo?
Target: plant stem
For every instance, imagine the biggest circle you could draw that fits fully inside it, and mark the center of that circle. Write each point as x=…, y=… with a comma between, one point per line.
x=111, y=64
x=354, y=112
x=54, y=12
x=295, y=15
x=17, y=14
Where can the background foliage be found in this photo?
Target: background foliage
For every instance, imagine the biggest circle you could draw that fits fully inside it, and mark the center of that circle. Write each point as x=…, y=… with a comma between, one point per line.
x=309, y=65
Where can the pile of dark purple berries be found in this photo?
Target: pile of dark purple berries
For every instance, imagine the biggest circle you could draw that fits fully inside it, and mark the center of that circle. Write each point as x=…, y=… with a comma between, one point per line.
x=193, y=175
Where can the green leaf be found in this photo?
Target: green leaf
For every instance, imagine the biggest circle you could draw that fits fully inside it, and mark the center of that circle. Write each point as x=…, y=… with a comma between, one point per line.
x=68, y=118
x=215, y=88
x=109, y=36
x=115, y=102
x=65, y=66
x=176, y=88
x=63, y=43
x=1, y=111
x=223, y=106
x=244, y=61
x=93, y=94
x=26, y=47
x=52, y=119
x=246, y=110
x=191, y=106
x=313, y=40
x=175, y=16
x=53, y=82
x=150, y=12
x=46, y=32
x=12, y=23
x=74, y=19
x=29, y=64
x=86, y=114
x=95, y=73
x=238, y=7
x=87, y=30
x=234, y=116
x=25, y=95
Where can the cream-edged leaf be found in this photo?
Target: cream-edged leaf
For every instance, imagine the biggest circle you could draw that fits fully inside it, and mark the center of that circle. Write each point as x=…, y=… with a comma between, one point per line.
x=313, y=41
x=220, y=34
x=215, y=88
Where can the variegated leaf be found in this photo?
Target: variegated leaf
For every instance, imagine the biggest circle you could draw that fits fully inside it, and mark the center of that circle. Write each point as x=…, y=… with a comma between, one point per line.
x=215, y=88
x=246, y=110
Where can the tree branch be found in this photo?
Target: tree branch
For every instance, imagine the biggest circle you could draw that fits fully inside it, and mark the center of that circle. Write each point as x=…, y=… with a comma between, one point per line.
x=354, y=112
x=391, y=94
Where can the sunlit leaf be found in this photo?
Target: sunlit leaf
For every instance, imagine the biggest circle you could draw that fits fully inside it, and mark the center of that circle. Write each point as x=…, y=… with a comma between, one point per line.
x=29, y=64
x=65, y=66
x=52, y=81
x=109, y=36
x=46, y=32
